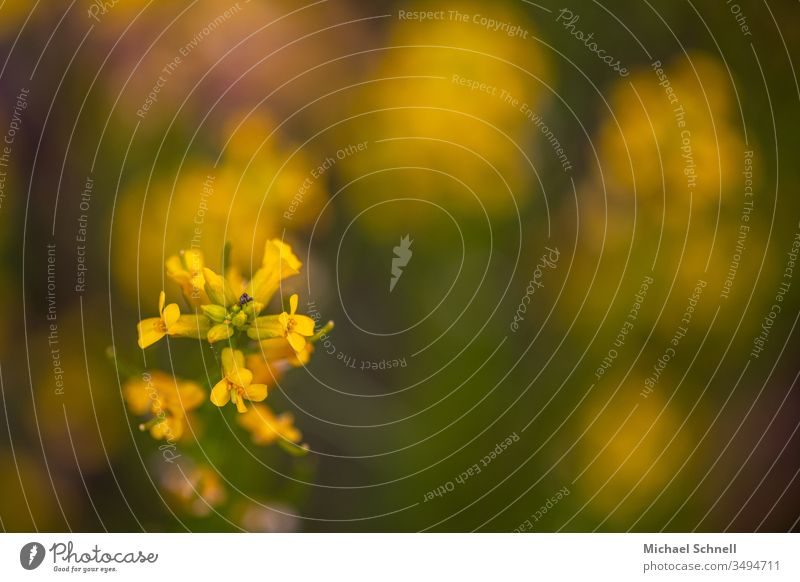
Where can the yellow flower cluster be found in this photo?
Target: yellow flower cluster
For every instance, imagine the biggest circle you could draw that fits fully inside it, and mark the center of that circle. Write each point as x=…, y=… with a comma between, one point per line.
x=260, y=347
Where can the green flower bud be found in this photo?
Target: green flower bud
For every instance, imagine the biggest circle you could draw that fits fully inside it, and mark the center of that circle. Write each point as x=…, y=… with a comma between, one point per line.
x=239, y=320
x=219, y=332
x=216, y=313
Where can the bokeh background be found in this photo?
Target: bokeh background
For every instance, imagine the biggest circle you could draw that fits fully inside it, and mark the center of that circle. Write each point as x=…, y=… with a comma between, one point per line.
x=567, y=212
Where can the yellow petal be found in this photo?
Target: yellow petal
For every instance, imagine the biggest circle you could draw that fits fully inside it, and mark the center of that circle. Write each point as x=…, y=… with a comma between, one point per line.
x=176, y=425
x=279, y=262
x=276, y=349
x=240, y=376
x=175, y=269
x=279, y=257
x=262, y=287
x=177, y=272
x=231, y=360
x=303, y=356
x=265, y=371
x=235, y=282
x=240, y=407
x=256, y=392
x=293, y=300
x=162, y=299
x=191, y=395
x=270, y=326
x=194, y=261
x=150, y=331
x=218, y=291
x=285, y=423
x=297, y=341
x=221, y=394
x=171, y=314
x=228, y=360
x=187, y=271
x=135, y=393
x=219, y=332
x=304, y=325
x=171, y=428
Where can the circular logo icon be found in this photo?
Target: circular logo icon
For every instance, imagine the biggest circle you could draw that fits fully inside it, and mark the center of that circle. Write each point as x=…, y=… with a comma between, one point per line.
x=31, y=555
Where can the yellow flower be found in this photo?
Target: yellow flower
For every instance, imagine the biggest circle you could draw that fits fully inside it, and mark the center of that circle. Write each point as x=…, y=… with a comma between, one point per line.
x=186, y=269
x=166, y=399
x=236, y=384
x=295, y=328
x=170, y=322
x=265, y=428
x=279, y=262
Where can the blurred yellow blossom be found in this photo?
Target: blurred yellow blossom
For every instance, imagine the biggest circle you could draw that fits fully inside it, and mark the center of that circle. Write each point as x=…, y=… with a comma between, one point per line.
x=631, y=451
x=672, y=129
x=265, y=427
x=164, y=397
x=450, y=99
x=186, y=269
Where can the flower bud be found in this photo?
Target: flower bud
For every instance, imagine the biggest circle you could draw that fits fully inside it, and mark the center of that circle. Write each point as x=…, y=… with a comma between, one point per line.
x=215, y=313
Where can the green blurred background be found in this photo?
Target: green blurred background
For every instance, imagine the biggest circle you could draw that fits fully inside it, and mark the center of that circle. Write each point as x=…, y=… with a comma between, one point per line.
x=491, y=133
